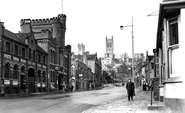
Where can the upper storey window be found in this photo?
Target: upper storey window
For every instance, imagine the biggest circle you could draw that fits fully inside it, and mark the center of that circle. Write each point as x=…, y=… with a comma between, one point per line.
x=16, y=49
x=8, y=47
x=173, y=45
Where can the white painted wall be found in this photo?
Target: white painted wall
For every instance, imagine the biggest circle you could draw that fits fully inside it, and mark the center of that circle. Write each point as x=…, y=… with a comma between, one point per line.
x=91, y=64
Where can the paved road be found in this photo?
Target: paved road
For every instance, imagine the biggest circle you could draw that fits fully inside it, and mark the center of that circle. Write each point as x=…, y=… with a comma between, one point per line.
x=75, y=102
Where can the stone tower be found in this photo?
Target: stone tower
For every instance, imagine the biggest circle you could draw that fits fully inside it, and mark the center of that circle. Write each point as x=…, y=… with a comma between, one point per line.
x=53, y=28
x=109, y=51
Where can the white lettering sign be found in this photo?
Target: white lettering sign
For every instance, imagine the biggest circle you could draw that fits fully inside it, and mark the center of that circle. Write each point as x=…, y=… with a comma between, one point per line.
x=7, y=56
x=7, y=82
x=23, y=61
x=15, y=82
x=44, y=67
x=38, y=65
x=15, y=58
x=31, y=63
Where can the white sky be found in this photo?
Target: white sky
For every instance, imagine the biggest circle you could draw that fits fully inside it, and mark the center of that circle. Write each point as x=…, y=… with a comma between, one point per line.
x=90, y=21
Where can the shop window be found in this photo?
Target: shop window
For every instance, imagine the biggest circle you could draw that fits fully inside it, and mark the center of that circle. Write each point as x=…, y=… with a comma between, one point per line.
x=173, y=45
x=51, y=76
x=22, y=69
x=44, y=76
x=39, y=76
x=7, y=70
x=15, y=72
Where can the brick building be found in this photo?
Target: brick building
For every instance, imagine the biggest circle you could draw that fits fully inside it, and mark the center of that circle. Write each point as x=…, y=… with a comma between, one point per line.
x=39, y=53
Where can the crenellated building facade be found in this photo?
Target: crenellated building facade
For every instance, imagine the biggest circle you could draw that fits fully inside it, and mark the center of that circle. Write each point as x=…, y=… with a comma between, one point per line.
x=40, y=54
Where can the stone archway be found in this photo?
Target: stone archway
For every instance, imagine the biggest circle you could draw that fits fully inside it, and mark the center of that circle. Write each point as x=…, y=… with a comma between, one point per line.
x=31, y=80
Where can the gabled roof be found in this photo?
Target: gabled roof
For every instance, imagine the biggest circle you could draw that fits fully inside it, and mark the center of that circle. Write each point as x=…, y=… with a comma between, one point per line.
x=12, y=36
x=23, y=36
x=150, y=58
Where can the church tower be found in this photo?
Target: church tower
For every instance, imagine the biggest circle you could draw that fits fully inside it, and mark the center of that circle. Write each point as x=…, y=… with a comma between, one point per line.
x=109, y=50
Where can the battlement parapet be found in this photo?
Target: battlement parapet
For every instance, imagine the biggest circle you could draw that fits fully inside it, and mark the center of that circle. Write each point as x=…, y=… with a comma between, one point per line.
x=59, y=18
x=25, y=21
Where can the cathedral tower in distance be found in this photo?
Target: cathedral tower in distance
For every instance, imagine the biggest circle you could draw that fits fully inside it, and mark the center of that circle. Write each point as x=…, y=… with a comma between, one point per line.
x=109, y=51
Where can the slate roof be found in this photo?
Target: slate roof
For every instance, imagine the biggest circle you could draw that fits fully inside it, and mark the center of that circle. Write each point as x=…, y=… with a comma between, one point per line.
x=20, y=37
x=23, y=36
x=12, y=36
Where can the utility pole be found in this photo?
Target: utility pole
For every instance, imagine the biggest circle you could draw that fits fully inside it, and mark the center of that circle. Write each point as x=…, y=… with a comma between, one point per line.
x=132, y=50
x=132, y=25
x=62, y=7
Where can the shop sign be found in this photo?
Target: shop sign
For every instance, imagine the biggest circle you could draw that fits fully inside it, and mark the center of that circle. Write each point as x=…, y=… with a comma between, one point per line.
x=31, y=63
x=15, y=82
x=23, y=61
x=7, y=56
x=43, y=85
x=7, y=82
x=38, y=65
x=16, y=59
x=38, y=84
x=44, y=67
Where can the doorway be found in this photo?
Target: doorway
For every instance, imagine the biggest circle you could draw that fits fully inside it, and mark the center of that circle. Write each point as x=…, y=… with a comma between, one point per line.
x=31, y=80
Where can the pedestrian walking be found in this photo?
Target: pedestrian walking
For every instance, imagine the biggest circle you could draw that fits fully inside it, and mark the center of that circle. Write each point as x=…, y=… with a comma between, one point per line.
x=2, y=90
x=72, y=88
x=144, y=86
x=130, y=89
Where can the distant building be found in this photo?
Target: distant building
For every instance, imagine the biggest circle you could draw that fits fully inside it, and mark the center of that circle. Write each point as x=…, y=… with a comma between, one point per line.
x=95, y=64
x=108, y=58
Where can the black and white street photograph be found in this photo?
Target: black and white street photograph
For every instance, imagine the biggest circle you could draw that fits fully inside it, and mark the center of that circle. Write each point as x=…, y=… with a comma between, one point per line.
x=92, y=56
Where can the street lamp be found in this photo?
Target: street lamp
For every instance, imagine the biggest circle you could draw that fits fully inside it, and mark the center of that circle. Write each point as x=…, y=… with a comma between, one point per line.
x=121, y=27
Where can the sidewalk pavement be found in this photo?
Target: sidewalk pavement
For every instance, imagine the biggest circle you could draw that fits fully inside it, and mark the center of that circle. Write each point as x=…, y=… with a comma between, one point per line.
x=140, y=104
x=23, y=95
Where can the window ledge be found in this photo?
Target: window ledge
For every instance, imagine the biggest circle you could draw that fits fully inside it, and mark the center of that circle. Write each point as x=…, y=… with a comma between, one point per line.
x=173, y=80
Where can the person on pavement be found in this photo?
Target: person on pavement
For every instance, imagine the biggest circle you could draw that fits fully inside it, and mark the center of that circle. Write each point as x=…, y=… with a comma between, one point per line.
x=2, y=90
x=130, y=89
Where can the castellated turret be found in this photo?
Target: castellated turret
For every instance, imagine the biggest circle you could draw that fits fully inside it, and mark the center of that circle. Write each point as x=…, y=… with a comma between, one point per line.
x=56, y=26
x=25, y=25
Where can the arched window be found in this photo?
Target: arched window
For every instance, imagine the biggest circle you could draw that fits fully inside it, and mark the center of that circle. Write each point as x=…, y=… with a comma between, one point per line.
x=51, y=56
x=54, y=75
x=44, y=76
x=51, y=76
x=15, y=72
x=22, y=69
x=7, y=70
x=39, y=76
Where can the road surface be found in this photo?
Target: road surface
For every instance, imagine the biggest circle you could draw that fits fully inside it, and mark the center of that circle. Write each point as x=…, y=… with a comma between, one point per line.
x=75, y=102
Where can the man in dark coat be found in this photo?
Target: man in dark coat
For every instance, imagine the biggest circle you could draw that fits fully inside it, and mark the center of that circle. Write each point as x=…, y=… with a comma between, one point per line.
x=130, y=89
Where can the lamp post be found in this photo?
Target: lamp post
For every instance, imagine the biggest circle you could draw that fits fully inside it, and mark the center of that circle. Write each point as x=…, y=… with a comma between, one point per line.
x=121, y=27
